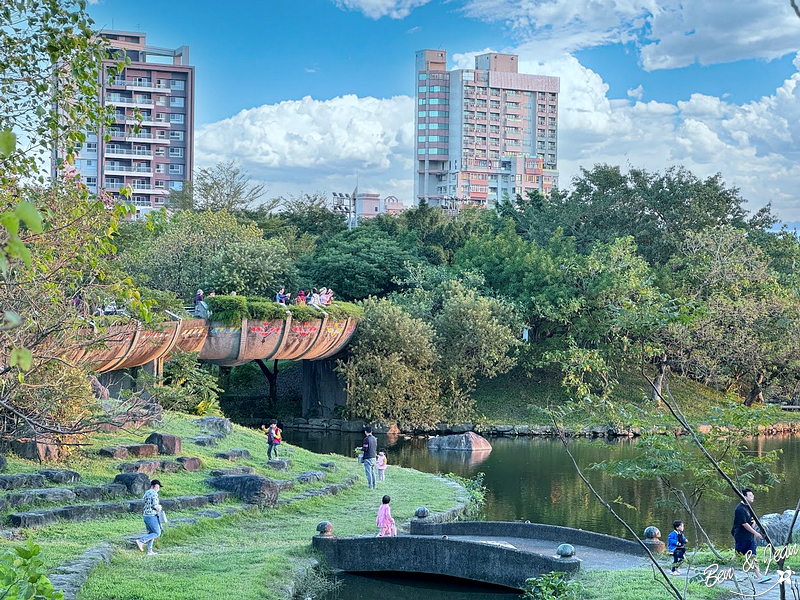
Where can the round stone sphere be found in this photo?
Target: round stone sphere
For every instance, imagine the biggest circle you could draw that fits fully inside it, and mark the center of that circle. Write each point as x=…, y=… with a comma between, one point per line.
x=565, y=551
x=325, y=527
x=422, y=512
x=652, y=533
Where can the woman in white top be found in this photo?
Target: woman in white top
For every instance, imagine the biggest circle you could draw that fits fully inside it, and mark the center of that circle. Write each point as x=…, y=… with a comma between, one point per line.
x=150, y=515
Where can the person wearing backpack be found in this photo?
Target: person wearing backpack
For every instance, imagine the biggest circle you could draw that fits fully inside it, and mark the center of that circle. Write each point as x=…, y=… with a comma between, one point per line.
x=273, y=439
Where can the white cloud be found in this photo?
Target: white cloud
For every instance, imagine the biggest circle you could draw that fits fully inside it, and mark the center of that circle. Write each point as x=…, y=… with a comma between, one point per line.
x=636, y=92
x=669, y=33
x=310, y=145
x=375, y=9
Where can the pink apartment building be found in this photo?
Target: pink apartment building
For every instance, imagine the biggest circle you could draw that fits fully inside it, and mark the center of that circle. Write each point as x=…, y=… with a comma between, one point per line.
x=150, y=150
x=483, y=132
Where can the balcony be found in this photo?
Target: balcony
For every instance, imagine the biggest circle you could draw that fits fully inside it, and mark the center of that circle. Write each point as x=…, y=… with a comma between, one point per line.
x=141, y=86
x=130, y=102
x=111, y=151
x=145, y=137
x=111, y=169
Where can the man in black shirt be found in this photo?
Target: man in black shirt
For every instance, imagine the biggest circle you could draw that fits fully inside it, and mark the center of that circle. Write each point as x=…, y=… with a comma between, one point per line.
x=744, y=534
x=370, y=447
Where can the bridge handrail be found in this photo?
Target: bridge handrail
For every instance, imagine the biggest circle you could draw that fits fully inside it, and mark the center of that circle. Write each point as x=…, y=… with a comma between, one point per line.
x=555, y=533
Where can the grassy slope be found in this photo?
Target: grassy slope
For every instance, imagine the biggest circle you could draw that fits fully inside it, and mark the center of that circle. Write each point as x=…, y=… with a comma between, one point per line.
x=518, y=398
x=250, y=552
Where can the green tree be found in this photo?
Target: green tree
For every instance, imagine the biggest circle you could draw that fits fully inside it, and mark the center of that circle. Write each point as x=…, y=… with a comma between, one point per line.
x=356, y=264
x=257, y=267
x=390, y=371
x=310, y=214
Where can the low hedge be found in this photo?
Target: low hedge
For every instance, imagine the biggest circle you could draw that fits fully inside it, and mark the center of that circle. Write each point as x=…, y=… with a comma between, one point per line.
x=230, y=310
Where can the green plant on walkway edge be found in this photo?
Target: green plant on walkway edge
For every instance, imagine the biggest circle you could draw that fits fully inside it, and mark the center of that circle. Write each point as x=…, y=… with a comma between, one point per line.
x=552, y=586
x=23, y=575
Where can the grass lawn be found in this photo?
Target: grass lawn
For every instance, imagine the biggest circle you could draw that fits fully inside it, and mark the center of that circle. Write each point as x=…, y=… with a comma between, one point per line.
x=518, y=398
x=252, y=552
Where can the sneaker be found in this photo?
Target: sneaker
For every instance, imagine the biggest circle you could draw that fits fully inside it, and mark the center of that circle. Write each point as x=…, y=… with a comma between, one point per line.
x=764, y=579
x=140, y=543
x=676, y=571
x=151, y=553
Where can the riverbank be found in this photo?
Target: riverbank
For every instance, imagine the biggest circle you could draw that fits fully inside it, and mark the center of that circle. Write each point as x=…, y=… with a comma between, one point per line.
x=229, y=545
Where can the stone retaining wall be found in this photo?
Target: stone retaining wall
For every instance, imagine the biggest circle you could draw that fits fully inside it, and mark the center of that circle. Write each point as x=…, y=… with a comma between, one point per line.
x=605, y=431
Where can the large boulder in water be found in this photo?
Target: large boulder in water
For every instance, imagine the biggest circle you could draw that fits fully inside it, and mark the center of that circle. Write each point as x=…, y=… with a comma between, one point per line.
x=468, y=442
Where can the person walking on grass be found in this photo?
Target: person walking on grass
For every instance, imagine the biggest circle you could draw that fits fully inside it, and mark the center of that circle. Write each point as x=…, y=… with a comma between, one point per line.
x=152, y=507
x=381, y=463
x=676, y=545
x=370, y=448
x=273, y=438
x=744, y=533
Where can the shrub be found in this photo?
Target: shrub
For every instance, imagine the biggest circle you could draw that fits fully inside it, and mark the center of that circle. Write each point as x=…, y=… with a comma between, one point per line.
x=305, y=313
x=22, y=574
x=552, y=586
x=261, y=309
x=229, y=310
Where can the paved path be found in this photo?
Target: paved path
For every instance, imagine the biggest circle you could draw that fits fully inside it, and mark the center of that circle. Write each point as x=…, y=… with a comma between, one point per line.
x=594, y=558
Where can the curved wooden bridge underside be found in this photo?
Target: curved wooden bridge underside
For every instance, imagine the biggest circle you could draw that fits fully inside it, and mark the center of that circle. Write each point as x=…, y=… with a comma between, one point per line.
x=133, y=345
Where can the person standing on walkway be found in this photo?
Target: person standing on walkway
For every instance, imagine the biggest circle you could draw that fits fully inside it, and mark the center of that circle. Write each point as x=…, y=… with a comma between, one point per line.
x=744, y=533
x=370, y=447
x=150, y=515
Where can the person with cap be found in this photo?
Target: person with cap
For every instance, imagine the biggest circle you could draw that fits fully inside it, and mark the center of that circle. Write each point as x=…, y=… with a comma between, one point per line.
x=152, y=507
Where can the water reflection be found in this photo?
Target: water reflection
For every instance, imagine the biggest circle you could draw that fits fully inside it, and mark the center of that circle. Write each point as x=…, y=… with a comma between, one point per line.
x=470, y=460
x=533, y=479
x=405, y=586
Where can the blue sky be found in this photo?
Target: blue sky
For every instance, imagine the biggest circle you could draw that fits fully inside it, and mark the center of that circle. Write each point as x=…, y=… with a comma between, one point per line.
x=310, y=95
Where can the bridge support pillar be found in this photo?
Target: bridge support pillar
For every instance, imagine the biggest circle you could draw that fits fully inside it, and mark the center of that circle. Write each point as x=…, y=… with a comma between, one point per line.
x=323, y=389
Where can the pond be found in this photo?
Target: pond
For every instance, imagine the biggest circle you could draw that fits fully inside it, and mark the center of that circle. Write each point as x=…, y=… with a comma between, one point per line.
x=533, y=479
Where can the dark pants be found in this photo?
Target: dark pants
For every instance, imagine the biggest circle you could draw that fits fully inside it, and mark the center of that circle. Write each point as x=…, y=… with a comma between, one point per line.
x=272, y=447
x=677, y=557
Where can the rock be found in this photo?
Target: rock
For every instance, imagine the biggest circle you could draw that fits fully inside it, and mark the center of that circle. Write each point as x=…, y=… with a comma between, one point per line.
x=3, y=462
x=183, y=502
x=114, y=452
x=215, y=424
x=233, y=471
x=328, y=465
x=352, y=426
x=468, y=442
x=310, y=476
x=601, y=431
x=88, y=492
x=318, y=423
x=252, y=489
x=108, y=509
x=76, y=512
x=462, y=427
x=169, y=466
x=279, y=464
x=137, y=483
x=522, y=429
x=299, y=421
x=325, y=528
x=166, y=443
x=777, y=526
x=141, y=466
x=218, y=497
x=35, y=449
x=422, y=513
x=205, y=440
x=211, y=514
x=21, y=480
x=41, y=495
x=31, y=519
x=190, y=463
x=504, y=429
x=241, y=452
x=142, y=450
x=60, y=475
x=114, y=490
x=652, y=541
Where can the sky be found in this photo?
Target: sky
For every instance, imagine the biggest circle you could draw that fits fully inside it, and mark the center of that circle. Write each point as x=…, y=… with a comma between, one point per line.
x=318, y=95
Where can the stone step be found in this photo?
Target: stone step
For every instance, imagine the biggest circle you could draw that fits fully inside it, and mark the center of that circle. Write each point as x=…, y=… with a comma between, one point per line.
x=82, y=492
x=85, y=512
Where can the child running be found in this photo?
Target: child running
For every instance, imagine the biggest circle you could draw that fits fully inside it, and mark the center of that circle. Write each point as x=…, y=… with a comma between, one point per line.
x=381, y=463
x=676, y=545
x=385, y=520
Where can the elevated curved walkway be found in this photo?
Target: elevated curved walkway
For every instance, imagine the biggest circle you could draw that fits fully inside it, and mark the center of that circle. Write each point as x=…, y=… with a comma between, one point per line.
x=499, y=553
x=133, y=345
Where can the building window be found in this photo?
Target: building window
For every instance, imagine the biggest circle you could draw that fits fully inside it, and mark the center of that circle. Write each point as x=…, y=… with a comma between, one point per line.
x=176, y=135
x=160, y=184
x=422, y=114
x=423, y=76
x=161, y=83
x=161, y=118
x=422, y=126
x=552, y=108
x=161, y=100
x=176, y=169
x=422, y=101
x=160, y=152
x=439, y=113
x=91, y=181
x=176, y=152
x=176, y=118
x=437, y=101
x=160, y=168
x=91, y=146
x=89, y=163
x=176, y=185
x=541, y=108
x=177, y=84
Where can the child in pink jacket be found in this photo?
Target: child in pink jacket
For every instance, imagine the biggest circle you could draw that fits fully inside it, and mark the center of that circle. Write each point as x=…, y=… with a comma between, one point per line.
x=385, y=520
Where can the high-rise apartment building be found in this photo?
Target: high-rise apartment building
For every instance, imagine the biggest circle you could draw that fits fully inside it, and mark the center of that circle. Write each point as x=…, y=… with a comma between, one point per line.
x=483, y=132
x=150, y=146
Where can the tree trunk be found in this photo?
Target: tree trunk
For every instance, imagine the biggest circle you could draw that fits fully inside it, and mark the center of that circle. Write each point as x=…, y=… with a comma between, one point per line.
x=272, y=377
x=756, y=393
x=663, y=367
